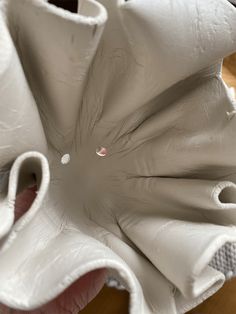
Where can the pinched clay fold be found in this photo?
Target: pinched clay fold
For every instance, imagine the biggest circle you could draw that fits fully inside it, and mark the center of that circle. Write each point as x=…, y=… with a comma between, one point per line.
x=140, y=81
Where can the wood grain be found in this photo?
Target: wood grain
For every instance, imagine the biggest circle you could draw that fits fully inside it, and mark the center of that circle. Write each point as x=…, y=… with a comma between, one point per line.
x=109, y=301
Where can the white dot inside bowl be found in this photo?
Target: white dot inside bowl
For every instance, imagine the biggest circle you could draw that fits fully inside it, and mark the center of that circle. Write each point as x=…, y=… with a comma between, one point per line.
x=65, y=159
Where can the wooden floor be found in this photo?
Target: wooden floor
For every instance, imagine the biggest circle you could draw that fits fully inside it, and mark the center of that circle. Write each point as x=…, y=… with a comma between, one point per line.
x=112, y=301
x=109, y=301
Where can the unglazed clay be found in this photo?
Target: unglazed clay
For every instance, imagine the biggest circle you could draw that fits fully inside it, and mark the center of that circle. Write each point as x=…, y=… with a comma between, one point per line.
x=121, y=114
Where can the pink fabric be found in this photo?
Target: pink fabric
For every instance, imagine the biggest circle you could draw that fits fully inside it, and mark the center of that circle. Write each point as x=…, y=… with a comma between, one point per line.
x=78, y=295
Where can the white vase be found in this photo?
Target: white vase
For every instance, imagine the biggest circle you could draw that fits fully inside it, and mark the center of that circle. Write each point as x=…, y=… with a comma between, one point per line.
x=120, y=114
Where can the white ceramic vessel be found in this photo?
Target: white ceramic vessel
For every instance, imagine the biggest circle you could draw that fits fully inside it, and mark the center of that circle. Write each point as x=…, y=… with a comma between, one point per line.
x=120, y=113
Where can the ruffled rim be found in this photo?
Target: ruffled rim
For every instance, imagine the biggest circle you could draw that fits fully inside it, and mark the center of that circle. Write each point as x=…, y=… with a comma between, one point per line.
x=13, y=186
x=91, y=13
x=196, y=290
x=111, y=261
x=193, y=291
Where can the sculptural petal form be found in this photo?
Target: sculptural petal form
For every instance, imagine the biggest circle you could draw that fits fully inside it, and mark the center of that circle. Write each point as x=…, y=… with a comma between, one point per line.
x=120, y=117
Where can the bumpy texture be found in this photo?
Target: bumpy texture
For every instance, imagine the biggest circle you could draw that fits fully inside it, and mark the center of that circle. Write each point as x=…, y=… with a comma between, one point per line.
x=121, y=116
